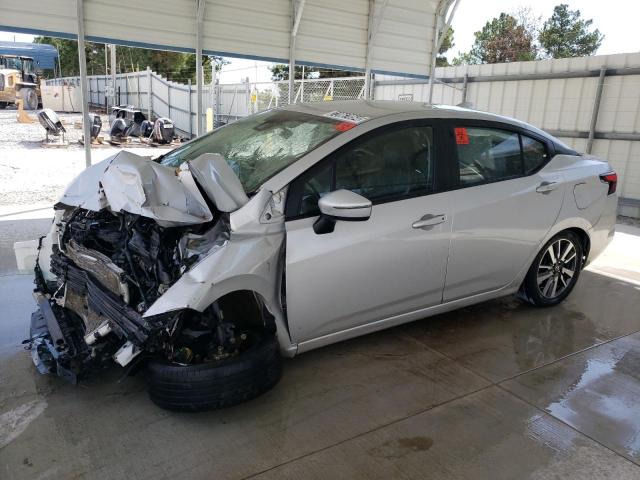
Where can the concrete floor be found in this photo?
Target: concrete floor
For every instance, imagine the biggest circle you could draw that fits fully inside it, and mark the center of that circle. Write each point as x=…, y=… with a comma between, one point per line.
x=497, y=390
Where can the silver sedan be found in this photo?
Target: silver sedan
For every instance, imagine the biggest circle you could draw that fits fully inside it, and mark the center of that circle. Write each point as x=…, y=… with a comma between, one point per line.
x=304, y=226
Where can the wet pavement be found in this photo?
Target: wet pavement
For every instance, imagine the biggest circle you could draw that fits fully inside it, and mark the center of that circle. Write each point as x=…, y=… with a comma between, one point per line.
x=496, y=390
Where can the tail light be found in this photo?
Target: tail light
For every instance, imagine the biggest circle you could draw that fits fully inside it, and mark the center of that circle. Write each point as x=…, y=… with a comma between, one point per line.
x=610, y=178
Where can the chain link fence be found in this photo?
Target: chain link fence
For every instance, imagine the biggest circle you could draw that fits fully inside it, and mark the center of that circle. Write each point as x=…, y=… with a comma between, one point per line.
x=159, y=97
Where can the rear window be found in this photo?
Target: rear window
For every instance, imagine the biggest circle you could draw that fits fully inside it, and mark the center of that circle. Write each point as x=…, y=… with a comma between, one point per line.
x=491, y=154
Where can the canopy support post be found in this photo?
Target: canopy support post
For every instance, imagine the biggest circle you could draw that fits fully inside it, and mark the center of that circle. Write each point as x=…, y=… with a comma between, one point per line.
x=82, y=60
x=199, y=76
x=374, y=24
x=114, y=81
x=438, y=36
x=297, y=6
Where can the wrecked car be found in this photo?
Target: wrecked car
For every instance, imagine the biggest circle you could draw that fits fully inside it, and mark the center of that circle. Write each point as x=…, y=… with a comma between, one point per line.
x=300, y=227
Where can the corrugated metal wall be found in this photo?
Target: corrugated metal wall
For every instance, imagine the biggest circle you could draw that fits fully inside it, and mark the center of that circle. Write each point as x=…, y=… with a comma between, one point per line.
x=556, y=105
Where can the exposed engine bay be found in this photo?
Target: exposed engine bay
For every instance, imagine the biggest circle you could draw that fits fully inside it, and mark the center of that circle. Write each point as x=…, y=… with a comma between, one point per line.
x=107, y=268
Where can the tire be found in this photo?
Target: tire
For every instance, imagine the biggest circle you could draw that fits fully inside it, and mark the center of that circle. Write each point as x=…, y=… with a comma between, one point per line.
x=30, y=99
x=210, y=386
x=563, y=269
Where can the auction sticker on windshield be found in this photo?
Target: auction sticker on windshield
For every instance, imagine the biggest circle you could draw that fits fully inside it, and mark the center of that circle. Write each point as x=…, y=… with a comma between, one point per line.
x=345, y=116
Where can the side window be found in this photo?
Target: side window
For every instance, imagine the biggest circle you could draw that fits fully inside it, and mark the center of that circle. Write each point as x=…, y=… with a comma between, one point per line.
x=390, y=166
x=314, y=188
x=534, y=154
x=487, y=155
x=386, y=167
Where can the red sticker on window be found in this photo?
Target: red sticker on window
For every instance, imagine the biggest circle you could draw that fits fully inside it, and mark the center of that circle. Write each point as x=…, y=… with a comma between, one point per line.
x=461, y=136
x=344, y=126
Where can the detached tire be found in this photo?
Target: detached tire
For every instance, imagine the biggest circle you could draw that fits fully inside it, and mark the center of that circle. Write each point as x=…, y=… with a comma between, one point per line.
x=30, y=99
x=210, y=386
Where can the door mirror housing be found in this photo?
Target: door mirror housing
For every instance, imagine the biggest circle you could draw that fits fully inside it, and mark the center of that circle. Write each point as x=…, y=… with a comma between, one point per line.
x=341, y=205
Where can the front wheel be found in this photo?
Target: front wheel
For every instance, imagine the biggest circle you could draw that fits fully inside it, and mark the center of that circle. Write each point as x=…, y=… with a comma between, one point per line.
x=554, y=271
x=213, y=385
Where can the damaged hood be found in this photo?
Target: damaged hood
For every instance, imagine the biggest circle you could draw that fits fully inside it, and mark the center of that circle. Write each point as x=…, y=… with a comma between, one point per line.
x=138, y=185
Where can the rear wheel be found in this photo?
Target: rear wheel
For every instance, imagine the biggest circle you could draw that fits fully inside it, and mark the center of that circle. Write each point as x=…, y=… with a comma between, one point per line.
x=554, y=271
x=213, y=385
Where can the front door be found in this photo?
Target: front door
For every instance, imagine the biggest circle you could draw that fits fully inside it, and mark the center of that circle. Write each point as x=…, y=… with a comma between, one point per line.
x=366, y=271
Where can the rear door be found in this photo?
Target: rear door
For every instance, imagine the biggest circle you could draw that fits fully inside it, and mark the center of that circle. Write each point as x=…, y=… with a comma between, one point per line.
x=505, y=203
x=366, y=271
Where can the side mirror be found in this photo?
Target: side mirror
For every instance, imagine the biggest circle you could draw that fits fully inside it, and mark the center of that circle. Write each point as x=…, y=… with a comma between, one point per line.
x=341, y=205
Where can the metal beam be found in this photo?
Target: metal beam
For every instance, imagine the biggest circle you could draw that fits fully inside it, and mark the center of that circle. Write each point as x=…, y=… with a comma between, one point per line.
x=596, y=109
x=114, y=82
x=374, y=25
x=82, y=60
x=447, y=25
x=199, y=80
x=630, y=137
x=610, y=72
x=297, y=7
x=438, y=36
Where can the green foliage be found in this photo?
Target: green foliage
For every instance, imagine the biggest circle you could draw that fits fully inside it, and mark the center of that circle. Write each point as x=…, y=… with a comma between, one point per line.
x=518, y=37
x=179, y=67
x=280, y=71
x=566, y=34
x=447, y=44
x=501, y=40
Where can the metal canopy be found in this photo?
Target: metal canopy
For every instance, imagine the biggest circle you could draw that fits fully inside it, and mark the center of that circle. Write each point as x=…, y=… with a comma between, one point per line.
x=386, y=36
x=329, y=32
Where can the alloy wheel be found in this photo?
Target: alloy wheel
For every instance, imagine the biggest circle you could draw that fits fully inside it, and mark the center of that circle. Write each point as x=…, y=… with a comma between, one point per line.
x=557, y=267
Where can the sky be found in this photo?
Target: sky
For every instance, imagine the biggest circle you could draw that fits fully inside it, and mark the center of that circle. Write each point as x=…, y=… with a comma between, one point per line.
x=616, y=19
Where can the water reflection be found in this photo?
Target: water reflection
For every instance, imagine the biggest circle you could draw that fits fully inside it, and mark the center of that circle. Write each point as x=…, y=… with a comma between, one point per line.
x=604, y=399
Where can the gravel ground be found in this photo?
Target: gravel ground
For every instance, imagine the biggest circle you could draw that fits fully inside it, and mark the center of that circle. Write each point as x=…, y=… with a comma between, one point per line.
x=30, y=135
x=32, y=174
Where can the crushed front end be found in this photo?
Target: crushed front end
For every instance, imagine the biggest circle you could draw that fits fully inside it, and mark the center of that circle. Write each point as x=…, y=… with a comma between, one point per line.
x=100, y=269
x=106, y=269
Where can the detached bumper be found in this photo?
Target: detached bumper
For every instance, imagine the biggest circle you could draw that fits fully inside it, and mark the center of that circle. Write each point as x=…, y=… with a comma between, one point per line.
x=51, y=351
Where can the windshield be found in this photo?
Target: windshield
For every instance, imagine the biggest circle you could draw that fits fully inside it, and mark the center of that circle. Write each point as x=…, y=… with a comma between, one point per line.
x=259, y=146
x=13, y=63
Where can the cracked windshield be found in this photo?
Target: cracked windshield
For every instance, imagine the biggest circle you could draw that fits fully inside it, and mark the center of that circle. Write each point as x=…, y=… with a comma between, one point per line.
x=260, y=146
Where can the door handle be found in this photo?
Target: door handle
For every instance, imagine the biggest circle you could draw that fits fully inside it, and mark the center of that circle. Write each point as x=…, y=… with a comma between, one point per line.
x=430, y=220
x=546, y=187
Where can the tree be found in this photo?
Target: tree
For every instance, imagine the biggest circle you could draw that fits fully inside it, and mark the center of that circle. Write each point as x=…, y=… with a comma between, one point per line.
x=280, y=71
x=447, y=44
x=179, y=67
x=503, y=39
x=566, y=34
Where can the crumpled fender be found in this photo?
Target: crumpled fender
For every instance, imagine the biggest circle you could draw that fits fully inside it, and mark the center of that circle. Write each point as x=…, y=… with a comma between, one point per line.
x=240, y=264
x=252, y=259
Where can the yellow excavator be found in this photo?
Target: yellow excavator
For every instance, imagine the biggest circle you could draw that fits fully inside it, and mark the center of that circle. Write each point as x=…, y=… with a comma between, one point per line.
x=18, y=81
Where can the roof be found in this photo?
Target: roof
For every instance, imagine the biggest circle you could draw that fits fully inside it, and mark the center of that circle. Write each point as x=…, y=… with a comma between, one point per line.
x=331, y=32
x=380, y=108
x=43, y=55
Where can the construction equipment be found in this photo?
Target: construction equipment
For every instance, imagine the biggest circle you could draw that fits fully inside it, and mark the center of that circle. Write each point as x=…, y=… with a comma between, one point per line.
x=18, y=81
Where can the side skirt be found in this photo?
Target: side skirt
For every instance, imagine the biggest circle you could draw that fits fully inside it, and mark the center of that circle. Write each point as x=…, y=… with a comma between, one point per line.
x=403, y=318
